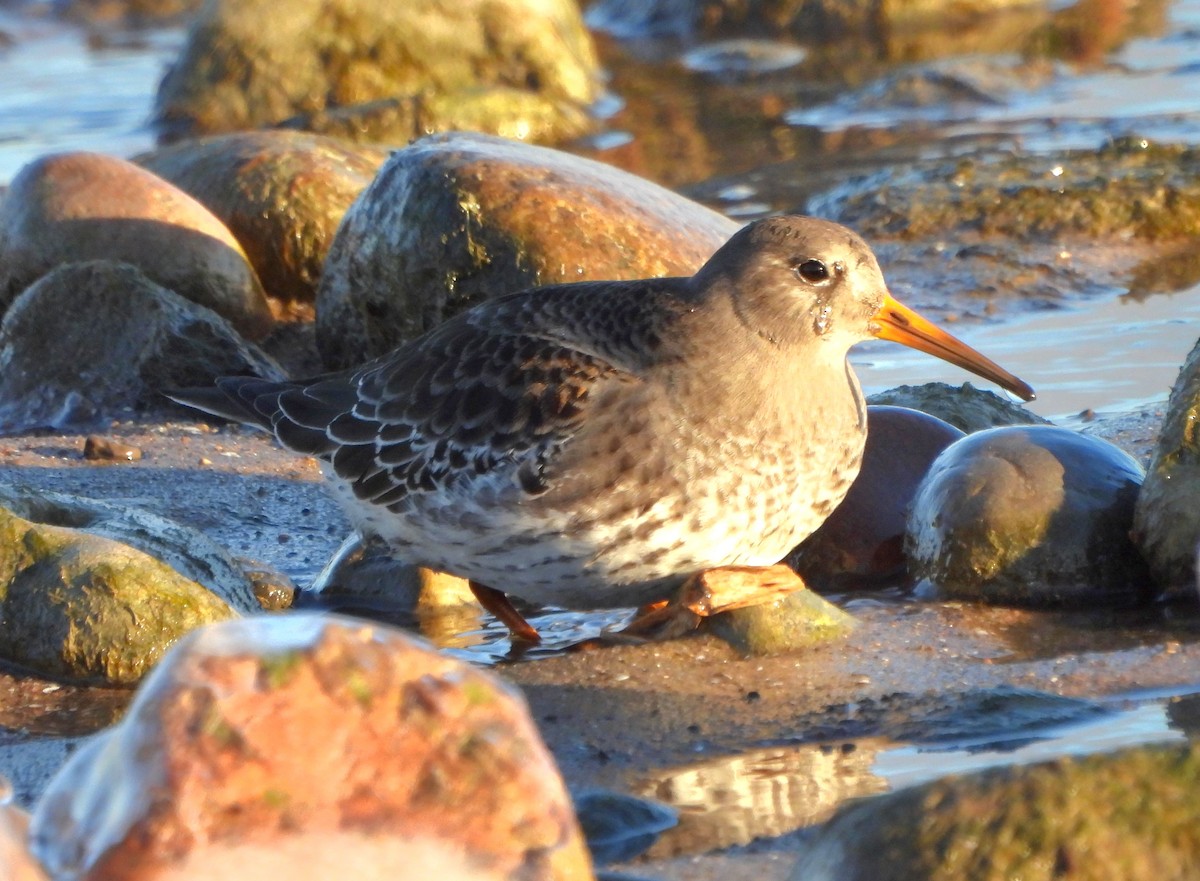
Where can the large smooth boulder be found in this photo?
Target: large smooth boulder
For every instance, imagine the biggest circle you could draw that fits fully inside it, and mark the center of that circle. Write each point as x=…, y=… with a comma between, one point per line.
x=455, y=219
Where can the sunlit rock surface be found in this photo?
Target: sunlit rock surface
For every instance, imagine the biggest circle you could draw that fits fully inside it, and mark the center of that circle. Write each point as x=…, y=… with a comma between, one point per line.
x=71, y=207
x=455, y=219
x=282, y=194
x=1167, y=520
x=1130, y=815
x=253, y=64
x=295, y=742
x=1034, y=515
x=83, y=607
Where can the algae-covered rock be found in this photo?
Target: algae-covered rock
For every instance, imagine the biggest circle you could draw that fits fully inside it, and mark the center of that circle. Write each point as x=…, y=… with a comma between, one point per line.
x=282, y=194
x=188, y=551
x=800, y=620
x=245, y=65
x=72, y=207
x=1167, y=518
x=965, y=407
x=455, y=219
x=80, y=606
x=862, y=542
x=1131, y=815
x=89, y=341
x=1128, y=188
x=1033, y=515
x=312, y=746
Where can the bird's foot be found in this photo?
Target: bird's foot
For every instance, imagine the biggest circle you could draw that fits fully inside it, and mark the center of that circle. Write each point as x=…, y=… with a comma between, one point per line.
x=500, y=606
x=709, y=593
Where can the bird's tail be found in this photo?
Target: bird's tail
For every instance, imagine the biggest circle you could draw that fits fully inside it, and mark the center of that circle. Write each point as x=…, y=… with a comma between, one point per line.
x=245, y=399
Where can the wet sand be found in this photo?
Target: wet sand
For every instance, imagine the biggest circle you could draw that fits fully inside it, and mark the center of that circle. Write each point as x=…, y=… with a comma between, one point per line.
x=807, y=727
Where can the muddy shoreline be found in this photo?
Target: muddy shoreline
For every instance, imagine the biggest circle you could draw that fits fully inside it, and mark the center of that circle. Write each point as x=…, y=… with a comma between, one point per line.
x=635, y=717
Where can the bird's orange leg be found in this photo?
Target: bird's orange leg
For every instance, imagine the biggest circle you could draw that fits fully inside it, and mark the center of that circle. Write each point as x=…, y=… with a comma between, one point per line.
x=498, y=604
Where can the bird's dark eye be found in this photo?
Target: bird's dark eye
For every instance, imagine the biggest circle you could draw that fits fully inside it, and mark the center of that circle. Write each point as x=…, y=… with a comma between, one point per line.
x=813, y=271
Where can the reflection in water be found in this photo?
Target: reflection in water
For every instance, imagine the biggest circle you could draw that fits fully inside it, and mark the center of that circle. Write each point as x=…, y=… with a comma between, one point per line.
x=760, y=794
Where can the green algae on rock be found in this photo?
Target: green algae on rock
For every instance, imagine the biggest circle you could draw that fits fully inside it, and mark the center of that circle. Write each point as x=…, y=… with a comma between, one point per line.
x=965, y=407
x=1131, y=815
x=81, y=606
x=454, y=219
x=794, y=622
x=1167, y=518
x=245, y=65
x=1034, y=515
x=1128, y=188
x=282, y=195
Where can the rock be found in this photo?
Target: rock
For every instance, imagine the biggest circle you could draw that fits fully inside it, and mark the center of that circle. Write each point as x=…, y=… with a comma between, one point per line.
x=965, y=407
x=90, y=340
x=1130, y=815
x=862, y=541
x=811, y=23
x=455, y=219
x=16, y=862
x=73, y=207
x=188, y=551
x=106, y=449
x=619, y=827
x=1166, y=522
x=246, y=66
x=1033, y=515
x=367, y=576
x=82, y=607
x=131, y=14
x=1128, y=188
x=311, y=746
x=281, y=194
x=794, y=622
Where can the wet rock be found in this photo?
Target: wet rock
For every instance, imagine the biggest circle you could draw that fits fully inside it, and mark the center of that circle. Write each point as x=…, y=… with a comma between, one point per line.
x=1128, y=188
x=16, y=862
x=812, y=22
x=862, y=541
x=104, y=449
x=795, y=622
x=282, y=194
x=965, y=407
x=619, y=827
x=90, y=340
x=507, y=112
x=188, y=551
x=79, y=606
x=367, y=577
x=1033, y=516
x=759, y=610
x=455, y=219
x=1130, y=814
x=127, y=13
x=1167, y=519
x=73, y=207
x=245, y=66
x=273, y=589
x=313, y=747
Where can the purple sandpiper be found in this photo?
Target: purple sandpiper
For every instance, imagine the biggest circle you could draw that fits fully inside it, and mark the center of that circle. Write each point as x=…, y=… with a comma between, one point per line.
x=595, y=444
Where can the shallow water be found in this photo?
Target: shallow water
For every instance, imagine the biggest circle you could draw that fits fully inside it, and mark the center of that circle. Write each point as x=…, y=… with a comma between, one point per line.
x=1108, y=354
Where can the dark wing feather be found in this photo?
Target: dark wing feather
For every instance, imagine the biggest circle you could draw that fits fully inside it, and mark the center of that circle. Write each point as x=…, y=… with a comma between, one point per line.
x=501, y=386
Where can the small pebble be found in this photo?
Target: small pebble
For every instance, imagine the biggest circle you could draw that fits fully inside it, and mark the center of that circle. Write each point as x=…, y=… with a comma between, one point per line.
x=108, y=450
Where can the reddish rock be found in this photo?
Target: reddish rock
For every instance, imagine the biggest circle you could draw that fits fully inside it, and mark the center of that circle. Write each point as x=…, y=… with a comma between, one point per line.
x=16, y=862
x=313, y=746
x=282, y=194
x=73, y=207
x=454, y=219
